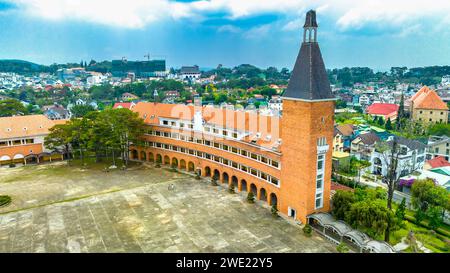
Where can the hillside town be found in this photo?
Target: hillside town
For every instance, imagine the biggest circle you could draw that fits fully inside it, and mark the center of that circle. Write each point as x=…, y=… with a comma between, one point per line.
x=362, y=158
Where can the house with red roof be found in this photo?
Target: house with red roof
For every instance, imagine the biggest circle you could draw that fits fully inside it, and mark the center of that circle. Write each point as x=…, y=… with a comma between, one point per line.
x=127, y=105
x=384, y=110
x=437, y=162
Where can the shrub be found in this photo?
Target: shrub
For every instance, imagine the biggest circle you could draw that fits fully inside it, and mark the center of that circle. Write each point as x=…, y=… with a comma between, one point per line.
x=214, y=181
x=274, y=210
x=342, y=248
x=5, y=200
x=307, y=230
x=250, y=197
x=12, y=165
x=231, y=189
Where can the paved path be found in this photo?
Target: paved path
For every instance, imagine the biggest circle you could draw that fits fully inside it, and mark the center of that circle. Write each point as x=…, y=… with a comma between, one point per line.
x=193, y=217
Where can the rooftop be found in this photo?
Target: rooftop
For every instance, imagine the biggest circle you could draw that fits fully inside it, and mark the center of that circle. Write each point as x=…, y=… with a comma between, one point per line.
x=438, y=162
x=22, y=126
x=426, y=98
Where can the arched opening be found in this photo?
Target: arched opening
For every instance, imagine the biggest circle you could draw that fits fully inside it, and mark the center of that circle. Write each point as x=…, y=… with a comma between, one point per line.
x=18, y=158
x=174, y=162
x=273, y=200
x=166, y=160
x=31, y=159
x=5, y=159
x=262, y=194
x=43, y=157
x=134, y=154
x=217, y=174
x=225, y=178
x=191, y=166
x=253, y=189
x=158, y=158
x=143, y=156
x=234, y=181
x=151, y=157
x=182, y=164
x=244, y=185
x=207, y=171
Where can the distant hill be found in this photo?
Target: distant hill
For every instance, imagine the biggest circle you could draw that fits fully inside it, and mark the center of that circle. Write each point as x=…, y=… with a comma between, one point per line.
x=20, y=66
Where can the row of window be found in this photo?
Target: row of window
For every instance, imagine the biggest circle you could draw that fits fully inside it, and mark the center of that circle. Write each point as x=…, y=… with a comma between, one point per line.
x=216, y=159
x=431, y=112
x=217, y=145
x=319, y=181
x=440, y=120
x=217, y=131
x=16, y=142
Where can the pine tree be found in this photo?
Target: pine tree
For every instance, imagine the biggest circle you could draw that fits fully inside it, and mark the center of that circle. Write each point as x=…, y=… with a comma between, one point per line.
x=388, y=125
x=380, y=121
x=401, y=112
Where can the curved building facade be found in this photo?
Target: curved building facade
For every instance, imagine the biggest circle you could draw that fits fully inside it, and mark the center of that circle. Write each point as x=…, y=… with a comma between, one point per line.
x=284, y=160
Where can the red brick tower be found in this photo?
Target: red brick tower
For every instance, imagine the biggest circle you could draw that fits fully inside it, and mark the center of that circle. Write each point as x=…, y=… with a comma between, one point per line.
x=307, y=131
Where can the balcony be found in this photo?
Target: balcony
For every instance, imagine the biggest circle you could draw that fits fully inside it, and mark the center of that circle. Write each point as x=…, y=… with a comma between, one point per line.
x=323, y=149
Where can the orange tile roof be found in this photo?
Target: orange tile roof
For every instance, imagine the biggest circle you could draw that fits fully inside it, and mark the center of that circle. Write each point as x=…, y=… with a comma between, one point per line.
x=428, y=99
x=23, y=126
x=247, y=121
x=438, y=162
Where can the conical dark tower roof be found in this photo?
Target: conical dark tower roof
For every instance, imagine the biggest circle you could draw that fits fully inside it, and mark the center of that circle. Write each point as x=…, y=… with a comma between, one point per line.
x=309, y=79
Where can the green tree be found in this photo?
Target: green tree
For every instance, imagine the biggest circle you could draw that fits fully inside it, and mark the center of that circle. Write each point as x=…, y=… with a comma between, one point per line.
x=388, y=124
x=12, y=107
x=380, y=121
x=430, y=201
x=79, y=111
x=342, y=202
x=371, y=216
x=439, y=129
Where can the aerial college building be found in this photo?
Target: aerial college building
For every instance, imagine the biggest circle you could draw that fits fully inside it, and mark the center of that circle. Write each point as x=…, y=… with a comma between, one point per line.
x=285, y=161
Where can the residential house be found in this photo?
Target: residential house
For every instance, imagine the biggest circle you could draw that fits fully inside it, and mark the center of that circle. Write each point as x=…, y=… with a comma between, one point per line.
x=437, y=162
x=275, y=103
x=363, y=145
x=428, y=107
x=338, y=141
x=126, y=105
x=438, y=146
x=129, y=96
x=348, y=133
x=384, y=110
x=172, y=94
x=411, y=157
x=56, y=112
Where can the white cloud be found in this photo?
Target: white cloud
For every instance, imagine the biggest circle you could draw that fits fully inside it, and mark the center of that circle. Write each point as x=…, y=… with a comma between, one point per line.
x=257, y=32
x=348, y=14
x=229, y=28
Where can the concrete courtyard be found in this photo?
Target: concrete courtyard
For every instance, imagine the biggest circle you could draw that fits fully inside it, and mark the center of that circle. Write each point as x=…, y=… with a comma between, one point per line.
x=57, y=208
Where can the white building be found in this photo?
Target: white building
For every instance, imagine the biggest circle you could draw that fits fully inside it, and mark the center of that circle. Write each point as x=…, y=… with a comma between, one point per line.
x=190, y=72
x=96, y=79
x=364, y=100
x=445, y=80
x=411, y=157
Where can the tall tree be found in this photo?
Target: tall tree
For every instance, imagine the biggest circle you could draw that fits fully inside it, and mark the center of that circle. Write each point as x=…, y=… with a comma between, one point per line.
x=12, y=107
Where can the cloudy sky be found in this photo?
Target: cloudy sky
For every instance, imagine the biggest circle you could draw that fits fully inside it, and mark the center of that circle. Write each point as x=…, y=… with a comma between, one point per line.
x=374, y=33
